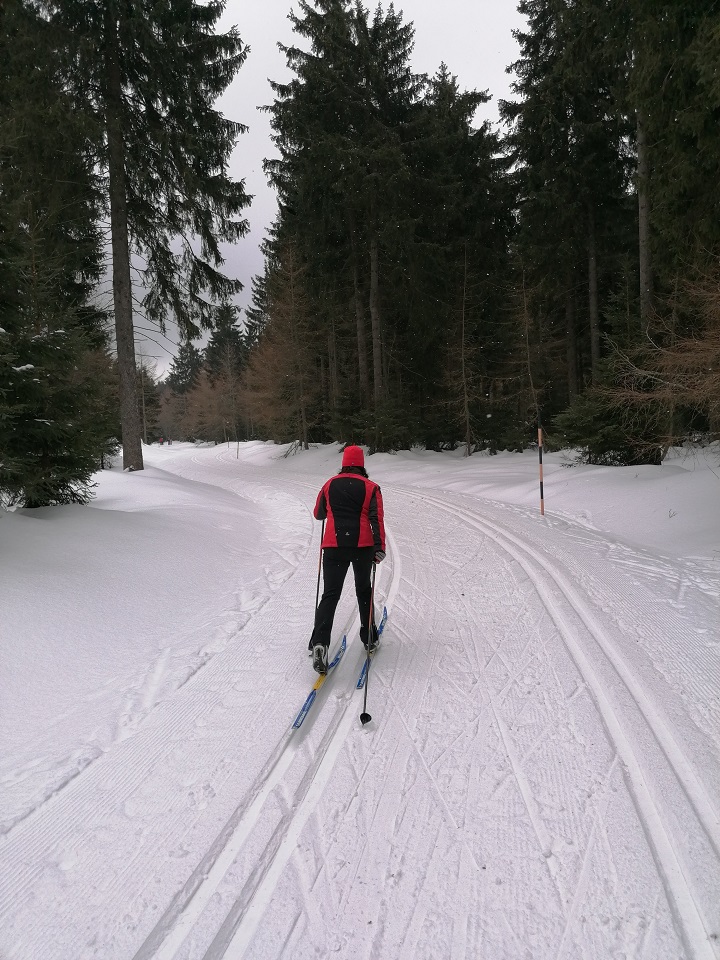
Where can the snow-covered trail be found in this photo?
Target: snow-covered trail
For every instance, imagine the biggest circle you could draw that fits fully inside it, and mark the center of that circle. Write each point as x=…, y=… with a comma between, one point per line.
x=541, y=778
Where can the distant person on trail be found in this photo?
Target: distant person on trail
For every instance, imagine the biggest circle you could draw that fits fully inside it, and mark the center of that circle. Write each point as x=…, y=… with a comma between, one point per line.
x=352, y=505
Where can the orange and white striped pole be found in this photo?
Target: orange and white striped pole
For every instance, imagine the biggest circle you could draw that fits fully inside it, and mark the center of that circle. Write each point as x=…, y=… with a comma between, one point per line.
x=540, y=449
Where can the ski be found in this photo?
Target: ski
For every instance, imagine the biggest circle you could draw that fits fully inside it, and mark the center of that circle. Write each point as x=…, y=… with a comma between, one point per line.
x=318, y=683
x=363, y=672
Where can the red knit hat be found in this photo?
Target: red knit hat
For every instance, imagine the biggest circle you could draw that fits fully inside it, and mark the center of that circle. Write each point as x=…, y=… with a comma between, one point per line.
x=353, y=457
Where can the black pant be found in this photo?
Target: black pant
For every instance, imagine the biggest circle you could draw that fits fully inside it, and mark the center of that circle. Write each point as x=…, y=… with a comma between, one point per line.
x=336, y=561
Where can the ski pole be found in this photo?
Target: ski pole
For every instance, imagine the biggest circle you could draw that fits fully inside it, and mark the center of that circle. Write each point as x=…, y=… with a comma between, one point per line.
x=317, y=592
x=365, y=716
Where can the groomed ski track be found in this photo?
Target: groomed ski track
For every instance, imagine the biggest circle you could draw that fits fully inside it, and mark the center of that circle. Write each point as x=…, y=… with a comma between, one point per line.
x=527, y=788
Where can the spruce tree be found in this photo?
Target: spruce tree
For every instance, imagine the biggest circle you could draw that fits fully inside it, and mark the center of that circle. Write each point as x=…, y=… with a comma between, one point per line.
x=281, y=385
x=650, y=391
x=673, y=87
x=148, y=400
x=382, y=182
x=256, y=312
x=149, y=75
x=458, y=261
x=226, y=349
x=58, y=390
x=343, y=172
x=568, y=141
x=185, y=368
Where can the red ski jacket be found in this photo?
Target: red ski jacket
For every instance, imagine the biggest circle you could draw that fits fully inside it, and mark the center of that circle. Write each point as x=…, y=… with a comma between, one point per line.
x=353, y=507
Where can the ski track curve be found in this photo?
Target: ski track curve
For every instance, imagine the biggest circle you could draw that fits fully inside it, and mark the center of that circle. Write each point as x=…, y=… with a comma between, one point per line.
x=168, y=936
x=72, y=832
x=507, y=748
x=695, y=915
x=234, y=936
x=698, y=920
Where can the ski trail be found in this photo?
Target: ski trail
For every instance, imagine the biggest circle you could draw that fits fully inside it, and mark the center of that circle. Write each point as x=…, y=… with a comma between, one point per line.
x=238, y=929
x=675, y=876
x=507, y=734
x=236, y=934
x=687, y=777
x=171, y=931
x=582, y=880
x=240, y=923
x=505, y=662
x=543, y=837
x=146, y=795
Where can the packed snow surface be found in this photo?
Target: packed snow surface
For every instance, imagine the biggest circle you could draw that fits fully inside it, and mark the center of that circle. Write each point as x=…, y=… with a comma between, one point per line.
x=541, y=775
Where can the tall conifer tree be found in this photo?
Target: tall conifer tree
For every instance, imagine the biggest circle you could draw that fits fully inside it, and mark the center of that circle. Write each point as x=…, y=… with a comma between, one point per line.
x=185, y=368
x=382, y=181
x=58, y=391
x=149, y=74
x=568, y=140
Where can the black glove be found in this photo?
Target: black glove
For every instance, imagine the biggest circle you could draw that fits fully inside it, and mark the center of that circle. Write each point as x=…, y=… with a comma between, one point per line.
x=379, y=556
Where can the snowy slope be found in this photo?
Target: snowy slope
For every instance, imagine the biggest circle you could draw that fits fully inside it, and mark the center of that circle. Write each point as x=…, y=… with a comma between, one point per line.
x=542, y=774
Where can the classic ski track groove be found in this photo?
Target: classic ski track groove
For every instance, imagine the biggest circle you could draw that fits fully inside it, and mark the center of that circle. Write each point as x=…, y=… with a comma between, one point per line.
x=171, y=930
x=11, y=886
x=668, y=860
x=17, y=879
x=241, y=921
x=167, y=937
x=240, y=942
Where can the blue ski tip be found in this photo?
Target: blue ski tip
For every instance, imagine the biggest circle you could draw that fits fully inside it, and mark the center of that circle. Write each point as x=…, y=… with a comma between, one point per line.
x=338, y=656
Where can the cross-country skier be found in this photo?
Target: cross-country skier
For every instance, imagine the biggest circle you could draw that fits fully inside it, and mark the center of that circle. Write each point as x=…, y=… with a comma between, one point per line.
x=352, y=505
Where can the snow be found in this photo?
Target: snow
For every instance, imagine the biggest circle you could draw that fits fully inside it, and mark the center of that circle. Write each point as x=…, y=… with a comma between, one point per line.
x=541, y=776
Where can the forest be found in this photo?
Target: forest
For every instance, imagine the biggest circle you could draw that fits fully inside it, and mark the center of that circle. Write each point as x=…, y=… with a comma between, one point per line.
x=429, y=280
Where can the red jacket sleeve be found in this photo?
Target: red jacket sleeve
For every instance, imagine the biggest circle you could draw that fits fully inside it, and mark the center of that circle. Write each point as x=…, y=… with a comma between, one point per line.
x=320, y=511
x=376, y=515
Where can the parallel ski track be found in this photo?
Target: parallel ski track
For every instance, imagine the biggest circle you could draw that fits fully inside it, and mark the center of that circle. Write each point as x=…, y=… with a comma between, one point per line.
x=564, y=602
x=641, y=778
x=168, y=936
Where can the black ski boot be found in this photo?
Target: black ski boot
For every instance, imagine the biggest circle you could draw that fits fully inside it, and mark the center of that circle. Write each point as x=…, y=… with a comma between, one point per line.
x=375, y=639
x=320, y=658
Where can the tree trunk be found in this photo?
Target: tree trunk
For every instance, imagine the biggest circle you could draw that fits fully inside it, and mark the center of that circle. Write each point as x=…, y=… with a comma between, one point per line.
x=463, y=374
x=378, y=391
x=593, y=297
x=714, y=419
x=300, y=382
x=324, y=388
x=571, y=342
x=121, y=280
x=142, y=394
x=528, y=353
x=360, y=327
x=332, y=360
x=645, y=259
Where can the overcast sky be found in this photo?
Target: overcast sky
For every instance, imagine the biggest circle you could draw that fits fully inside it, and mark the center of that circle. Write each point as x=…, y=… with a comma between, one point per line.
x=473, y=37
